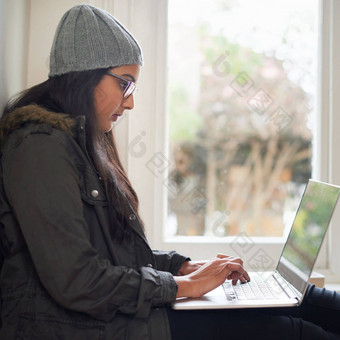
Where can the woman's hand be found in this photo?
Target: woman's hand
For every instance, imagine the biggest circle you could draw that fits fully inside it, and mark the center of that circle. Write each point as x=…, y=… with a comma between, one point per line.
x=209, y=275
x=190, y=266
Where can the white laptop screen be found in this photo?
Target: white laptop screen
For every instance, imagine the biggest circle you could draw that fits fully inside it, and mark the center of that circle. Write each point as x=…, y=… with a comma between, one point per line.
x=306, y=235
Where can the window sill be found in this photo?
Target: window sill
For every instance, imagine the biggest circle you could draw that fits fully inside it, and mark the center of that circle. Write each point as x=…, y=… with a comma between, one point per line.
x=333, y=286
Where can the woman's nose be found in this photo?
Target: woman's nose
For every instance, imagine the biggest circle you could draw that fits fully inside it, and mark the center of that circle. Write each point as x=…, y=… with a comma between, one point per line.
x=129, y=102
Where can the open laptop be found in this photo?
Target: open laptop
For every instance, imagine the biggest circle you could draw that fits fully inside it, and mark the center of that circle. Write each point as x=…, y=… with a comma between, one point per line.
x=287, y=285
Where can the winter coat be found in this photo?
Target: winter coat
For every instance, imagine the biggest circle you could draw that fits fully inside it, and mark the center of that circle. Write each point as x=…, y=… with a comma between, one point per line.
x=63, y=276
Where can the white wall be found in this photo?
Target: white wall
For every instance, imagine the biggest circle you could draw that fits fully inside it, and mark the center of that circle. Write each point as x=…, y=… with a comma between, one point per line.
x=13, y=44
x=3, y=90
x=44, y=16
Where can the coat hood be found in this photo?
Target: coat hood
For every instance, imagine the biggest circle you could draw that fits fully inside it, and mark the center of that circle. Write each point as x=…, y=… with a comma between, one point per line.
x=22, y=116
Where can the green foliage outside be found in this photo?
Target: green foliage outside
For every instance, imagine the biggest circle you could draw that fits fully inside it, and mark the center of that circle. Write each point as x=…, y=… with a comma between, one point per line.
x=184, y=121
x=252, y=152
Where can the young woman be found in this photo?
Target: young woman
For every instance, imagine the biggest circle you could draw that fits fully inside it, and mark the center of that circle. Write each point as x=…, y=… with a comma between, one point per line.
x=76, y=263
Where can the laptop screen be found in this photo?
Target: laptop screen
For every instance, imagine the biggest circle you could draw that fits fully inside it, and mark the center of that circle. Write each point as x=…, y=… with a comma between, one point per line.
x=306, y=235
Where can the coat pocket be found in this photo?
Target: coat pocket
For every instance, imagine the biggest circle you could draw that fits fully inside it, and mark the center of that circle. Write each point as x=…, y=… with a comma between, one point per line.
x=91, y=188
x=40, y=326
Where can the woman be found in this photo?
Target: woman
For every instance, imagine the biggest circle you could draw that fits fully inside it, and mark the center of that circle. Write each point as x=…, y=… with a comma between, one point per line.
x=76, y=262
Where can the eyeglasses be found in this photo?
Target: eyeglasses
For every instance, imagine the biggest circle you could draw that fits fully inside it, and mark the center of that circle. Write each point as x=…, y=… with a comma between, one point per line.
x=128, y=86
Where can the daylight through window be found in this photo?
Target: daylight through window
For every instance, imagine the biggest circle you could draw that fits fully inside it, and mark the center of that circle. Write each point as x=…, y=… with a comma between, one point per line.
x=242, y=91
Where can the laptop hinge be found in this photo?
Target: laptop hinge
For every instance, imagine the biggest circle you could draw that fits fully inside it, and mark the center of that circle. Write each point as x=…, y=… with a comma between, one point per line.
x=289, y=290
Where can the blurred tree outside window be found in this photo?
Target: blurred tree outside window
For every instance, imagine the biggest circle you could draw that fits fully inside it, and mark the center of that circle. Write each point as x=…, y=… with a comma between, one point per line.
x=242, y=78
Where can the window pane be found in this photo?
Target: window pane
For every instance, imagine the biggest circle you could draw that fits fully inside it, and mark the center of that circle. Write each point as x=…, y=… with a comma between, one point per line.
x=242, y=80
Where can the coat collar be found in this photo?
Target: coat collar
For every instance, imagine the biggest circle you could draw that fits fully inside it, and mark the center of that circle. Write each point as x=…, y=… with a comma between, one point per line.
x=35, y=114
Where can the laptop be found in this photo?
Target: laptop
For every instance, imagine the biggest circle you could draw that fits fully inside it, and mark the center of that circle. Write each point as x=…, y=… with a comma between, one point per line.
x=286, y=286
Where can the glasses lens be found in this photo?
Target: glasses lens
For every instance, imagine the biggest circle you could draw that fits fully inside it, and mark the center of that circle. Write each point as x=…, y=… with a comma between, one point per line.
x=130, y=89
x=124, y=86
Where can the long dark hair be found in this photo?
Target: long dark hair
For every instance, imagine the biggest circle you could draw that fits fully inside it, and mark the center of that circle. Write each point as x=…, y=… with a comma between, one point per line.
x=73, y=93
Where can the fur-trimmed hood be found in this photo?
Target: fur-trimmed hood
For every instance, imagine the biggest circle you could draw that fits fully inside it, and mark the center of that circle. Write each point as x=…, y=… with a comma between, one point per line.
x=34, y=114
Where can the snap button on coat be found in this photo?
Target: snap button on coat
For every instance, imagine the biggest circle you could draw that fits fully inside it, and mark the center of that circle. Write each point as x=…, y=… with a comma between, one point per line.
x=94, y=193
x=132, y=217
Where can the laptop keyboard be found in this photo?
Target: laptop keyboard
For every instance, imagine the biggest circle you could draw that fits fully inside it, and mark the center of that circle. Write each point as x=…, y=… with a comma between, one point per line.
x=256, y=289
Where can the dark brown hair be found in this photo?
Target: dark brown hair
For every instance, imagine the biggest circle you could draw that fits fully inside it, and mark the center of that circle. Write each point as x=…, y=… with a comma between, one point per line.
x=73, y=93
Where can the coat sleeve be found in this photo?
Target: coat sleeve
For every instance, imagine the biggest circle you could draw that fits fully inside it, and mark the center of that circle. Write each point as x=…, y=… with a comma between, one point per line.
x=169, y=261
x=41, y=184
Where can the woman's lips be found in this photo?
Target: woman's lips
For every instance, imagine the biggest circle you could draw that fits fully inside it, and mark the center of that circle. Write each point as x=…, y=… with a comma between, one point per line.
x=115, y=117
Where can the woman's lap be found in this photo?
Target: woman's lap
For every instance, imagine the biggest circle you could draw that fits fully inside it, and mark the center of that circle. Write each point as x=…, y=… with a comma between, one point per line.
x=316, y=318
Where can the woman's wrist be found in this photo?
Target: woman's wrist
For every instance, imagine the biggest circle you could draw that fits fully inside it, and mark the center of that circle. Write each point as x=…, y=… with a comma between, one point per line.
x=176, y=287
x=184, y=268
x=183, y=286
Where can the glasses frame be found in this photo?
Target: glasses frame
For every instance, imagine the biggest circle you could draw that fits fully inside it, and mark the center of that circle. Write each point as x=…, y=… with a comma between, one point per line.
x=131, y=87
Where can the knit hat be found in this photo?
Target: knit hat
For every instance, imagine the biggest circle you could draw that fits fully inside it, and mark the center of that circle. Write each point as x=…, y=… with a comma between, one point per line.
x=88, y=38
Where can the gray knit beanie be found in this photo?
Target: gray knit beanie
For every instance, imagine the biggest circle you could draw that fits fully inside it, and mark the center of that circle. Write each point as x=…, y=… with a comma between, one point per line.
x=88, y=38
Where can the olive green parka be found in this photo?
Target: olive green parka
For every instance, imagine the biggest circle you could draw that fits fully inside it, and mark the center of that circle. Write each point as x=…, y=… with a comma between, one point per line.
x=63, y=276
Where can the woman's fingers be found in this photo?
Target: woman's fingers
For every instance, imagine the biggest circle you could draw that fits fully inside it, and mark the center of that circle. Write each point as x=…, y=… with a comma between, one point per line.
x=230, y=258
x=229, y=268
x=236, y=272
x=234, y=276
x=212, y=274
x=243, y=279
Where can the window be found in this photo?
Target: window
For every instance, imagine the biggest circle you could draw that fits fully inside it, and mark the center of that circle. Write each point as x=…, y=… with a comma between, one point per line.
x=242, y=89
